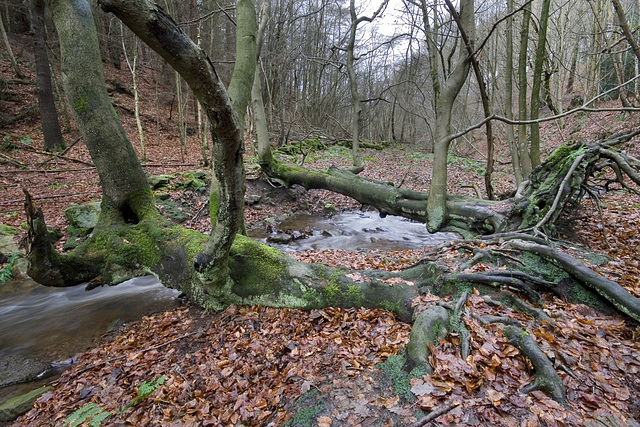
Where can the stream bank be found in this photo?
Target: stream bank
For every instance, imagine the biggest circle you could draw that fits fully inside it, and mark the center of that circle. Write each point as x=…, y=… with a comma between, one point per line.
x=43, y=327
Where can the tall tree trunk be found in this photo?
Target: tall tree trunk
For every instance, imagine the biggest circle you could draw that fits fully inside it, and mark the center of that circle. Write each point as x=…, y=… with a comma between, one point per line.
x=573, y=68
x=484, y=97
x=7, y=45
x=508, y=106
x=436, y=203
x=430, y=35
x=159, y=31
x=624, y=25
x=53, y=140
x=125, y=189
x=541, y=56
x=595, y=56
x=132, y=64
x=523, y=143
x=257, y=102
x=356, y=108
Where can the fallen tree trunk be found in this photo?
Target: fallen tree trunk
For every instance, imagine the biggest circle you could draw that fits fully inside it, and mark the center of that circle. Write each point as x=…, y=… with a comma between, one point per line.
x=468, y=216
x=558, y=183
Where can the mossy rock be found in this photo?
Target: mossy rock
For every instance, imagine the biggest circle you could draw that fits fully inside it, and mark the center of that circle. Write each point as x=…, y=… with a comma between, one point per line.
x=172, y=211
x=7, y=242
x=13, y=408
x=82, y=220
x=159, y=181
x=7, y=230
x=83, y=216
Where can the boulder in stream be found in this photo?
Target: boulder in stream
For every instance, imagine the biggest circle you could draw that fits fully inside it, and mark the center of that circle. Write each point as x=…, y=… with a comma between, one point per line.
x=16, y=369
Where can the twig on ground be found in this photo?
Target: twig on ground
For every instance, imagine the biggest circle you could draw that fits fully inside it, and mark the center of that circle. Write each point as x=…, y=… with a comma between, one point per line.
x=435, y=414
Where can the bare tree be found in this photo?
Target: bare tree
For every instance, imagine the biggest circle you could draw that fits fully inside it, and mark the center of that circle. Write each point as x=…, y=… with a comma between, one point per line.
x=540, y=58
x=448, y=90
x=53, y=140
x=7, y=45
x=356, y=119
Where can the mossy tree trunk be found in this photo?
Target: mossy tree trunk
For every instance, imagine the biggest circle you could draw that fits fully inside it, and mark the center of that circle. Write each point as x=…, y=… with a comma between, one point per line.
x=126, y=192
x=149, y=22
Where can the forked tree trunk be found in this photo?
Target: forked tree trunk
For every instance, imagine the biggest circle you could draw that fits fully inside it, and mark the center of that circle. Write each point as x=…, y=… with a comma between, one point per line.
x=159, y=31
x=436, y=203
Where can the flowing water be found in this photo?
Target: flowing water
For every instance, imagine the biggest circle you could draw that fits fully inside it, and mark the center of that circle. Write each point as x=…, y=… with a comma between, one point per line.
x=52, y=324
x=353, y=231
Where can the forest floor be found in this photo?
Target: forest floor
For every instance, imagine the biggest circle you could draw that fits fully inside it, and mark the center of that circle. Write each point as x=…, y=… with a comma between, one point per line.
x=263, y=366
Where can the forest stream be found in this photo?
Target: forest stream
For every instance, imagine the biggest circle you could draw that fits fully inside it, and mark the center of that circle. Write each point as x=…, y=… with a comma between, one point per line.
x=52, y=324
x=350, y=231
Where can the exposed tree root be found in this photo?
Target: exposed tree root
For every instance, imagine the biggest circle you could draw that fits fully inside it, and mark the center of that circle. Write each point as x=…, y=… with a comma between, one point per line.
x=547, y=378
x=613, y=292
x=429, y=328
x=510, y=300
x=488, y=278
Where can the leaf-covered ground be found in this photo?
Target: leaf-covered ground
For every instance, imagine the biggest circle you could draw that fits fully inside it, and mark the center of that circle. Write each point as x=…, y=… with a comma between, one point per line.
x=262, y=366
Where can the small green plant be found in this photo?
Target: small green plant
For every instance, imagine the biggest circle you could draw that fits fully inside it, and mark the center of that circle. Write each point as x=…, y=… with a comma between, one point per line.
x=466, y=164
x=57, y=185
x=145, y=390
x=415, y=155
x=26, y=140
x=305, y=416
x=91, y=413
x=393, y=367
x=6, y=273
x=94, y=414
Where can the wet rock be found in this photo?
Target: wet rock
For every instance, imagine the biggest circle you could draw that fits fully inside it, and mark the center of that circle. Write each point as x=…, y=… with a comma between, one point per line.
x=16, y=369
x=13, y=408
x=280, y=238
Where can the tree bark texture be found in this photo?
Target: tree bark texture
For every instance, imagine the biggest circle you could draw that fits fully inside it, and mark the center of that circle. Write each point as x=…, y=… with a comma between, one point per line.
x=541, y=56
x=523, y=143
x=149, y=22
x=53, y=140
x=436, y=203
x=124, y=183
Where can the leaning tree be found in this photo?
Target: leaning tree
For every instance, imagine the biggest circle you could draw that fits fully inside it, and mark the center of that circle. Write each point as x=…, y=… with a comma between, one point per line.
x=133, y=239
